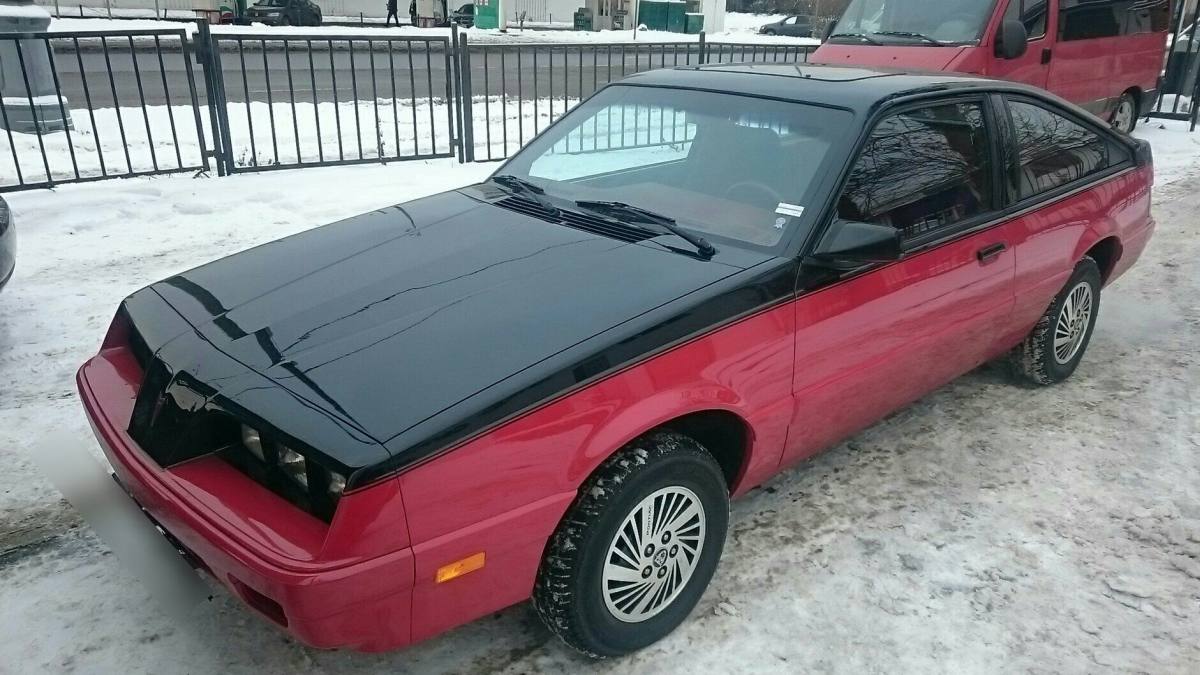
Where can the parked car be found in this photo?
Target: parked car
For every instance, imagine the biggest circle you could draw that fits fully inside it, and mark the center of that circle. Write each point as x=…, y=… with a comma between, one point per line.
x=796, y=25
x=8, y=244
x=1105, y=55
x=550, y=384
x=465, y=15
x=285, y=13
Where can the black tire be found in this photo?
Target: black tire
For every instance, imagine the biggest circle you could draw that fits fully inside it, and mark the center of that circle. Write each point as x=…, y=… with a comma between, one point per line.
x=1035, y=359
x=569, y=594
x=1121, y=122
x=769, y=31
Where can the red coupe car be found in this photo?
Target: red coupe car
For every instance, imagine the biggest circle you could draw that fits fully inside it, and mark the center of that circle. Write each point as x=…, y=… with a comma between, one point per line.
x=550, y=384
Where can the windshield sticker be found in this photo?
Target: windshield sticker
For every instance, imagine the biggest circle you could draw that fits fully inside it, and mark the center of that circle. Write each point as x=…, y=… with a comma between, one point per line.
x=793, y=210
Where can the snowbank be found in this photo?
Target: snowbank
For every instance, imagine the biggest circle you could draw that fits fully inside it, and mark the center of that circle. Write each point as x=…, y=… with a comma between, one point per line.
x=129, y=142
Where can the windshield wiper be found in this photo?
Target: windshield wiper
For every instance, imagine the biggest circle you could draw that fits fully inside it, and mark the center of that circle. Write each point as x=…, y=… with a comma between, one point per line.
x=855, y=36
x=906, y=34
x=525, y=188
x=639, y=214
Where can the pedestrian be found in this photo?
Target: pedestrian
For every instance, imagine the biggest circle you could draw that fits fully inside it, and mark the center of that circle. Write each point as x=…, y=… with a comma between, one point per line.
x=412, y=12
x=391, y=13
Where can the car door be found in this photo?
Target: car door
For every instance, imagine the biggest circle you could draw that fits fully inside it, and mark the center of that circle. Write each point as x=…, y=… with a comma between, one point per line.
x=884, y=335
x=1056, y=155
x=1085, y=59
x=1033, y=67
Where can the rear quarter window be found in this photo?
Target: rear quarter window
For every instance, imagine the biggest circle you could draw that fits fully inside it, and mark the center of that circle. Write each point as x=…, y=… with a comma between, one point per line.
x=1054, y=151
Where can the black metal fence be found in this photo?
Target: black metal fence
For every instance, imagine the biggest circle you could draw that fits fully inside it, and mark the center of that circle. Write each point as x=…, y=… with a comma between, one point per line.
x=513, y=91
x=139, y=102
x=1180, y=91
x=318, y=100
x=124, y=103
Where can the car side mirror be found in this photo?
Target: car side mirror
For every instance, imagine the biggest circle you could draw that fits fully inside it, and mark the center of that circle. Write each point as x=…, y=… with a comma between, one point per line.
x=1012, y=41
x=850, y=244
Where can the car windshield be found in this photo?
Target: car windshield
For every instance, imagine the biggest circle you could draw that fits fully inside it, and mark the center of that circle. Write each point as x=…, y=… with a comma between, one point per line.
x=952, y=21
x=276, y=3
x=726, y=166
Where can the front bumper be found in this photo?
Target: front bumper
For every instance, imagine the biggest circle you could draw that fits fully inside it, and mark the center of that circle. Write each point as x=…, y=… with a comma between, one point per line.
x=273, y=559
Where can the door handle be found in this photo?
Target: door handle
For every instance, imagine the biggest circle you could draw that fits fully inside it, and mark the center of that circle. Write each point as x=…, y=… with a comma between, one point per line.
x=989, y=253
x=1047, y=54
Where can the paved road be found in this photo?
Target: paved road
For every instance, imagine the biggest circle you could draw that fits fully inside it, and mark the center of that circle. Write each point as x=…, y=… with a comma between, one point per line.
x=529, y=72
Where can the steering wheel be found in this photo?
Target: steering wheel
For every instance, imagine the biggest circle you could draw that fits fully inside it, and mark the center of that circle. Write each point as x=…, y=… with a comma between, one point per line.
x=773, y=197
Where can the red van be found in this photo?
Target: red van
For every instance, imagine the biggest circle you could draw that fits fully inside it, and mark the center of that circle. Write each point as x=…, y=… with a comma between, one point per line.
x=1105, y=55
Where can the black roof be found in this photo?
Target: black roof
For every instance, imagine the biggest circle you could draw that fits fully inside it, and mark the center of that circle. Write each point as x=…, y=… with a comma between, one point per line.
x=854, y=87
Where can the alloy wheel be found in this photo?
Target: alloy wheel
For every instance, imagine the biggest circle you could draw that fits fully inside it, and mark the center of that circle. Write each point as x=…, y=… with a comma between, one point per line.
x=1074, y=318
x=653, y=554
x=1123, y=118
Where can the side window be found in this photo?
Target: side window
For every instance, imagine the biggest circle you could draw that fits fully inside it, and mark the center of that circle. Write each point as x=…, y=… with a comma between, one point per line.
x=922, y=171
x=1147, y=16
x=1090, y=19
x=1032, y=13
x=1053, y=151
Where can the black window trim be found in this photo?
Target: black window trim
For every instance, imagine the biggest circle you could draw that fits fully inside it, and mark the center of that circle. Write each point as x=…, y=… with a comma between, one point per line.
x=934, y=239
x=1032, y=38
x=997, y=95
x=1013, y=204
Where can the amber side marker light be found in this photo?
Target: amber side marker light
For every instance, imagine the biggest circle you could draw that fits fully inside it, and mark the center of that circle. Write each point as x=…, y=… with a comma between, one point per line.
x=460, y=567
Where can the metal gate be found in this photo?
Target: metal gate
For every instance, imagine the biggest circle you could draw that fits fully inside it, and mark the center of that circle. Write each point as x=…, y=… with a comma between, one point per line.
x=283, y=102
x=114, y=104
x=510, y=92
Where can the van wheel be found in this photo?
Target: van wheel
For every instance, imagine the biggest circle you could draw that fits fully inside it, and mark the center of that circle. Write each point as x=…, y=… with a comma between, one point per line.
x=1125, y=117
x=638, y=547
x=1055, y=346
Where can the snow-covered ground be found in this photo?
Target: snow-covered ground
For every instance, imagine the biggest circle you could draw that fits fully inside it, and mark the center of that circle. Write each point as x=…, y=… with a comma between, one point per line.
x=740, y=28
x=376, y=129
x=988, y=528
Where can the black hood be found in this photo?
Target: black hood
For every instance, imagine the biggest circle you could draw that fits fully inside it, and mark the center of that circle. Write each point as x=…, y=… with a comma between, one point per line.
x=412, y=322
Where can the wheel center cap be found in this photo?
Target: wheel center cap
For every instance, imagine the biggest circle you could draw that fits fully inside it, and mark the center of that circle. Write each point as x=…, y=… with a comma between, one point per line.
x=660, y=558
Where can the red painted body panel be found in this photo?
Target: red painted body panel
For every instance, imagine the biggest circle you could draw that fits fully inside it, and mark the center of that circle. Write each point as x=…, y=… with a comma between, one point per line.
x=801, y=375
x=1091, y=73
x=248, y=538
x=881, y=340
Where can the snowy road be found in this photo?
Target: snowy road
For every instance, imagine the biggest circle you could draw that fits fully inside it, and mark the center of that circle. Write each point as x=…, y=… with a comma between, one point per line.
x=988, y=528
x=332, y=75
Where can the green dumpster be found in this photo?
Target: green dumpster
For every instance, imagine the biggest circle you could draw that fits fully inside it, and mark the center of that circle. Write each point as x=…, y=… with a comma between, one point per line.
x=694, y=24
x=676, y=16
x=653, y=14
x=668, y=15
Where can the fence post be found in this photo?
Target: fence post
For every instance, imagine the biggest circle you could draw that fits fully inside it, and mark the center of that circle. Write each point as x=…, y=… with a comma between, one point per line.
x=201, y=49
x=455, y=75
x=186, y=49
x=468, y=125
x=703, y=49
x=218, y=110
x=1195, y=99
